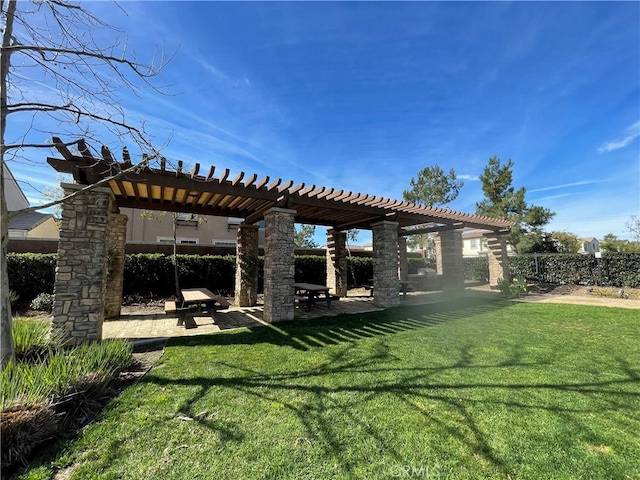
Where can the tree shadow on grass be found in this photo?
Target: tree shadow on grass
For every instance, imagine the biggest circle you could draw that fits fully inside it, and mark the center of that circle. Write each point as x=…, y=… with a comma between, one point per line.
x=323, y=331
x=410, y=386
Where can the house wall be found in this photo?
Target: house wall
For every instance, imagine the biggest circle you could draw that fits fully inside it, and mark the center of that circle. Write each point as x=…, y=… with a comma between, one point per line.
x=47, y=229
x=589, y=245
x=475, y=245
x=157, y=227
x=16, y=200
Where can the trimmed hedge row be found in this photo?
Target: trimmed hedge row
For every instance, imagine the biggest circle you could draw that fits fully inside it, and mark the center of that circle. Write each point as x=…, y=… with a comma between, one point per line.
x=476, y=269
x=31, y=273
x=613, y=269
x=152, y=274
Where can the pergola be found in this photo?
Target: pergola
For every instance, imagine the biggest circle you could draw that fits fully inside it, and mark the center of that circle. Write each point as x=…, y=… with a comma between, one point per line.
x=92, y=237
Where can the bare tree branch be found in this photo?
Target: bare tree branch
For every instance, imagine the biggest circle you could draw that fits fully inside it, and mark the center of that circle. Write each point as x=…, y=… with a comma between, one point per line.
x=64, y=74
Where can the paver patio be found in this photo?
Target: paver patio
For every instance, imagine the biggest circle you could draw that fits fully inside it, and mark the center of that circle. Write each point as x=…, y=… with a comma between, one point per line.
x=142, y=325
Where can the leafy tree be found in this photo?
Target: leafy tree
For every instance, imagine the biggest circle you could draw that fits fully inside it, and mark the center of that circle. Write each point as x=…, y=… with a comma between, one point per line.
x=53, y=45
x=634, y=227
x=611, y=243
x=304, y=236
x=566, y=242
x=431, y=188
x=502, y=200
x=538, y=242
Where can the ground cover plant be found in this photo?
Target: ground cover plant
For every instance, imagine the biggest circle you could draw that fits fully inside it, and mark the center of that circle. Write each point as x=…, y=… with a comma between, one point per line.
x=459, y=389
x=45, y=389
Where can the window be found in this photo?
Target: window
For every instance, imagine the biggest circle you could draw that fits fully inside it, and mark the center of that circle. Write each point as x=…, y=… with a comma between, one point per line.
x=179, y=240
x=474, y=244
x=223, y=243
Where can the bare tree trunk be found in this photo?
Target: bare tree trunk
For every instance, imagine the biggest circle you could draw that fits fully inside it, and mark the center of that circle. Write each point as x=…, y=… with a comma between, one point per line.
x=175, y=260
x=7, y=349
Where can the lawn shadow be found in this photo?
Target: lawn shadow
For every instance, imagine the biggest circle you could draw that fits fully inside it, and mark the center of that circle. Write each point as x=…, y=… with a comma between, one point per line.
x=411, y=387
x=322, y=331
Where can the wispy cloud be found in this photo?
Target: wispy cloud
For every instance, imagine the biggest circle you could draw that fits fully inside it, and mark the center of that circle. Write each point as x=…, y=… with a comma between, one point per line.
x=565, y=185
x=552, y=197
x=630, y=134
x=471, y=178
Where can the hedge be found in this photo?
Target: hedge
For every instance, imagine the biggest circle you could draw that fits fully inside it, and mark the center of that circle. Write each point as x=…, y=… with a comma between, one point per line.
x=31, y=273
x=152, y=274
x=613, y=269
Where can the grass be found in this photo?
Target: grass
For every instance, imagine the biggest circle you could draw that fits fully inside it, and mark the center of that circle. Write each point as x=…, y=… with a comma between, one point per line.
x=454, y=390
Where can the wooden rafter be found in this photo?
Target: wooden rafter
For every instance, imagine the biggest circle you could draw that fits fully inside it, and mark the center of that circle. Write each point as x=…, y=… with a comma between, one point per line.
x=174, y=190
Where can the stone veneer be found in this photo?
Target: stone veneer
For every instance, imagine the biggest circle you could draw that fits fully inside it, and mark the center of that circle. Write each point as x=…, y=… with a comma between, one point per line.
x=116, y=241
x=498, y=259
x=403, y=266
x=81, y=273
x=385, y=264
x=337, y=262
x=279, y=267
x=246, y=288
x=449, y=259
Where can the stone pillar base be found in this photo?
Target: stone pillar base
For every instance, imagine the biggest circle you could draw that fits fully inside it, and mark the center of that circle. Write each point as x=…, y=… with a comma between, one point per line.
x=449, y=260
x=337, y=262
x=81, y=273
x=386, y=286
x=246, y=287
x=498, y=259
x=279, y=267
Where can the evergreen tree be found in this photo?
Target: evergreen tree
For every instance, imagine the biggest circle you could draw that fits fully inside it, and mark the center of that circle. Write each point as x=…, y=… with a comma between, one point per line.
x=431, y=188
x=502, y=200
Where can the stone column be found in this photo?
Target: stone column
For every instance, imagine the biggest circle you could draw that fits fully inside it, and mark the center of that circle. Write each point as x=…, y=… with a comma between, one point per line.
x=403, y=268
x=116, y=241
x=81, y=273
x=498, y=260
x=385, y=264
x=449, y=260
x=246, y=290
x=337, y=262
x=279, y=268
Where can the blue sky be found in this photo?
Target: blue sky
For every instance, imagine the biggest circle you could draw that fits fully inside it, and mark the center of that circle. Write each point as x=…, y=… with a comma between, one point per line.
x=362, y=95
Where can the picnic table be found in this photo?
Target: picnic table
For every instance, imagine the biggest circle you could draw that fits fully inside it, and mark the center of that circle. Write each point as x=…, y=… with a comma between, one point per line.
x=194, y=297
x=309, y=293
x=405, y=285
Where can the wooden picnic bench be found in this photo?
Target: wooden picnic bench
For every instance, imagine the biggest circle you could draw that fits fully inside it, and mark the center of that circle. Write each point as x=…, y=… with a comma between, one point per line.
x=308, y=293
x=193, y=301
x=405, y=286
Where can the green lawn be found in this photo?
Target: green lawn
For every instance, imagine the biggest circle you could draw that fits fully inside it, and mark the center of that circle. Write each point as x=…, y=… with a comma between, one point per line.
x=462, y=389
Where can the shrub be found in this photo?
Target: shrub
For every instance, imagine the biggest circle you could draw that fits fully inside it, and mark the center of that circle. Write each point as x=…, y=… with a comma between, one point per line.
x=43, y=302
x=413, y=265
x=476, y=269
x=310, y=269
x=513, y=288
x=35, y=397
x=33, y=337
x=13, y=298
x=360, y=270
x=31, y=273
